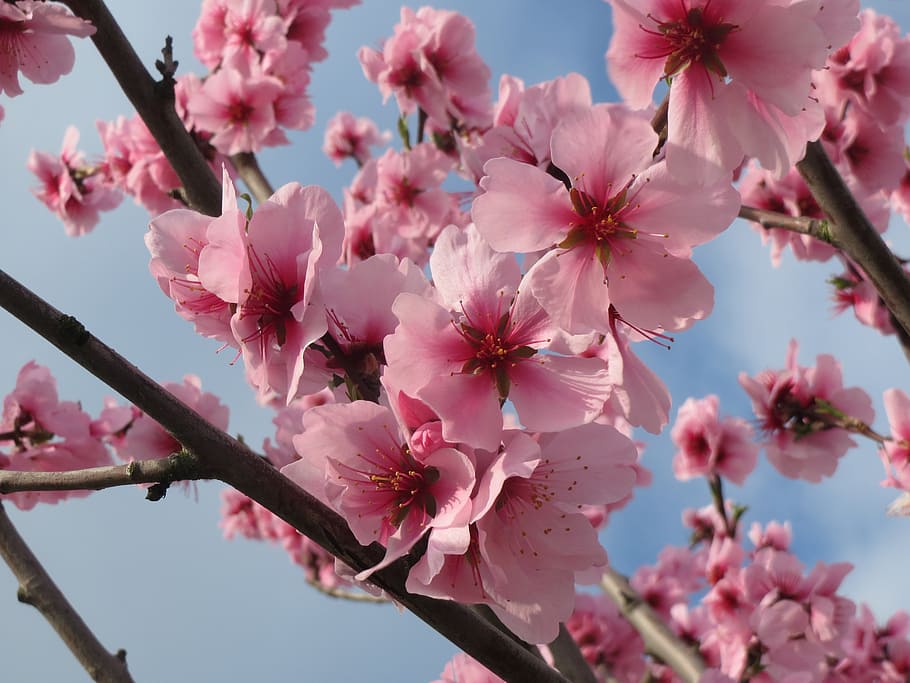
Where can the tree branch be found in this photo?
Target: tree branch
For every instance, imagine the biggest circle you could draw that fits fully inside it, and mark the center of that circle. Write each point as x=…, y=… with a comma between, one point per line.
x=852, y=231
x=182, y=466
x=251, y=173
x=819, y=229
x=569, y=660
x=234, y=463
x=660, y=641
x=154, y=101
x=37, y=589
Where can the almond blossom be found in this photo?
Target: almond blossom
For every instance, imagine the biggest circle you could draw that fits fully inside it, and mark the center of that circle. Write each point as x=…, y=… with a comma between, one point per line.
x=805, y=413
x=467, y=356
x=355, y=459
x=346, y=137
x=620, y=234
x=34, y=40
x=740, y=75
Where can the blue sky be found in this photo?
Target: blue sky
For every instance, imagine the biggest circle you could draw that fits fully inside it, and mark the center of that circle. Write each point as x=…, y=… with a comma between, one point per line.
x=158, y=580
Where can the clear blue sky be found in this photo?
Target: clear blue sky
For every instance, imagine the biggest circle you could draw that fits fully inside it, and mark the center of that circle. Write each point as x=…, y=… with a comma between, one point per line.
x=158, y=580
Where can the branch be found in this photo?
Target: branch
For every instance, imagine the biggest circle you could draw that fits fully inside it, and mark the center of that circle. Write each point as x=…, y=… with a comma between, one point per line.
x=819, y=229
x=854, y=234
x=154, y=101
x=177, y=467
x=569, y=660
x=660, y=641
x=37, y=589
x=249, y=170
x=234, y=463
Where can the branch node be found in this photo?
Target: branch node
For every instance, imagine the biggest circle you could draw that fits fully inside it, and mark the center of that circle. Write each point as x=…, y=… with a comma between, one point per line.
x=121, y=655
x=24, y=596
x=133, y=470
x=73, y=331
x=168, y=66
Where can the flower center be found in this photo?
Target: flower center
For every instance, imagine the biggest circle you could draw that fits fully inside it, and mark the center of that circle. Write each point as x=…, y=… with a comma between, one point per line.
x=493, y=352
x=269, y=299
x=693, y=38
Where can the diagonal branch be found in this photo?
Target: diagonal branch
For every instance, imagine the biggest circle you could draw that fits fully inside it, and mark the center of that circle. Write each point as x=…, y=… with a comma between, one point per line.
x=819, y=229
x=660, y=641
x=234, y=463
x=253, y=177
x=154, y=101
x=854, y=234
x=36, y=588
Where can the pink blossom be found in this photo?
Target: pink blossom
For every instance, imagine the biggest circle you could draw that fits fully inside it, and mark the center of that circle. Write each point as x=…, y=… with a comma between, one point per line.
x=175, y=241
x=33, y=40
x=606, y=639
x=464, y=669
x=896, y=452
x=464, y=357
x=623, y=233
x=872, y=70
x=46, y=435
x=804, y=412
x=72, y=189
x=354, y=459
x=270, y=270
x=225, y=27
x=431, y=62
x=741, y=76
x=146, y=439
x=346, y=137
x=854, y=290
x=237, y=105
x=709, y=446
x=288, y=423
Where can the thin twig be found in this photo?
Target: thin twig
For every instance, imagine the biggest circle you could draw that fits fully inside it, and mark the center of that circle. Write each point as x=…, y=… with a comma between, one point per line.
x=252, y=175
x=353, y=596
x=234, y=463
x=814, y=227
x=855, y=235
x=36, y=588
x=178, y=467
x=660, y=641
x=154, y=101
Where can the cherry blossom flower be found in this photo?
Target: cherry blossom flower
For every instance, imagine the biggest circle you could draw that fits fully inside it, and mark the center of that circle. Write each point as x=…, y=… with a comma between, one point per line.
x=896, y=453
x=740, y=76
x=34, y=39
x=804, y=412
x=623, y=232
x=465, y=669
x=72, y=189
x=355, y=459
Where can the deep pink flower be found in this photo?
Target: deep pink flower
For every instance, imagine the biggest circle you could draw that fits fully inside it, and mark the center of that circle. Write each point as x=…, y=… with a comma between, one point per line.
x=621, y=235
x=33, y=40
x=464, y=669
x=355, y=459
x=740, y=75
x=896, y=453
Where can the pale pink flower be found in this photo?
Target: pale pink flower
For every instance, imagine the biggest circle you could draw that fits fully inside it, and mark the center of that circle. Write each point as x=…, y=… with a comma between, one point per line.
x=46, y=435
x=288, y=423
x=896, y=452
x=482, y=346
x=270, y=272
x=465, y=669
x=225, y=27
x=34, y=40
x=709, y=446
x=175, y=241
x=621, y=235
x=740, y=76
x=606, y=640
x=346, y=137
x=71, y=188
x=355, y=459
x=854, y=290
x=803, y=412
